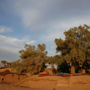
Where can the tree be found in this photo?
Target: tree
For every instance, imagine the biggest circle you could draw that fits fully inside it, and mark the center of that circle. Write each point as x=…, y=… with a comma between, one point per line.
x=17, y=67
x=76, y=46
x=63, y=67
x=33, y=58
x=4, y=63
x=54, y=60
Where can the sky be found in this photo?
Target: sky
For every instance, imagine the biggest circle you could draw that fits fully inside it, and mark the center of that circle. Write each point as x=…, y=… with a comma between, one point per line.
x=38, y=21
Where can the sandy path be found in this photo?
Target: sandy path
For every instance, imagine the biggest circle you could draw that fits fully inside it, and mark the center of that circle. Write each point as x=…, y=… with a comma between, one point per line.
x=59, y=83
x=12, y=87
x=51, y=83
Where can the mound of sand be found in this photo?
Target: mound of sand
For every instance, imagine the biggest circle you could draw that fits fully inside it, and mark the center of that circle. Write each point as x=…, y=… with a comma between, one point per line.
x=11, y=87
x=50, y=82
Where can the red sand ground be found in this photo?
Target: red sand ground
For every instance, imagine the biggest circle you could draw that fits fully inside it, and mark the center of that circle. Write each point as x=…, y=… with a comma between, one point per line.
x=49, y=83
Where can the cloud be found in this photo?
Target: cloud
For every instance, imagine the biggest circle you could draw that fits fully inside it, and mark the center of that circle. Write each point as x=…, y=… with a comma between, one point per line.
x=9, y=47
x=50, y=18
x=57, y=31
x=15, y=41
x=4, y=29
x=38, y=15
x=8, y=53
x=58, y=28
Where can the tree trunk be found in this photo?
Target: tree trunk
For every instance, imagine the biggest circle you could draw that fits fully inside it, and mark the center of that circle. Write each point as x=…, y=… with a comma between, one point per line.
x=83, y=71
x=72, y=69
x=53, y=68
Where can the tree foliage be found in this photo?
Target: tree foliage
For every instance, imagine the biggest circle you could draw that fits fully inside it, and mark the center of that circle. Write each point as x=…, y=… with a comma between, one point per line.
x=74, y=50
x=55, y=59
x=5, y=63
x=33, y=58
x=76, y=46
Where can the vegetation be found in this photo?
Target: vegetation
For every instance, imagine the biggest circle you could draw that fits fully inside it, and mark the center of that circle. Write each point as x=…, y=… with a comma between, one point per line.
x=74, y=54
x=4, y=63
x=75, y=49
x=32, y=60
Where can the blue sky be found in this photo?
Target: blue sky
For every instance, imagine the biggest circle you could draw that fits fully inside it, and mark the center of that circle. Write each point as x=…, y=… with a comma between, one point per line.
x=38, y=21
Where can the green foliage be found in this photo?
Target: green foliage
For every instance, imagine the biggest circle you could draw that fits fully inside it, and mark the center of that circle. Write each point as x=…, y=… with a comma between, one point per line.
x=18, y=66
x=55, y=59
x=33, y=58
x=74, y=50
x=76, y=46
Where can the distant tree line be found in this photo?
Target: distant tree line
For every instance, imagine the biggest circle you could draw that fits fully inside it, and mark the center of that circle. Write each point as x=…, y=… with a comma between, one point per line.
x=74, y=54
